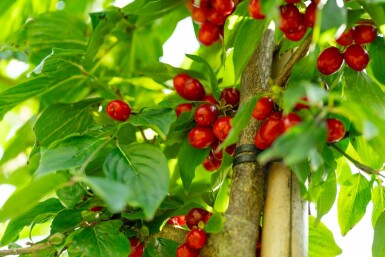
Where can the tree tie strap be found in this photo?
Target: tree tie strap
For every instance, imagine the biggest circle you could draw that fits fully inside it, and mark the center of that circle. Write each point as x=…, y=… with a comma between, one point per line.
x=245, y=153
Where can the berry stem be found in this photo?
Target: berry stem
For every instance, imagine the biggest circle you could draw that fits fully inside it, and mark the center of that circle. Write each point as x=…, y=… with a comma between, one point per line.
x=299, y=53
x=360, y=166
x=26, y=250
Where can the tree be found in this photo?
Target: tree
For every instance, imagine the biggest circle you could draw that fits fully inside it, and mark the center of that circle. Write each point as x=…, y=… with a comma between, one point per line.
x=116, y=158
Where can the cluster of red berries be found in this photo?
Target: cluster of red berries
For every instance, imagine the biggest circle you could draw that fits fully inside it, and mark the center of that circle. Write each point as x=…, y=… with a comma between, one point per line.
x=292, y=22
x=211, y=16
x=196, y=239
x=118, y=110
x=212, y=123
x=355, y=55
x=275, y=124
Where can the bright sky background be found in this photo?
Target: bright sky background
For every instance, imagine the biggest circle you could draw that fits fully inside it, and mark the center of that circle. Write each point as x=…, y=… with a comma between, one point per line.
x=356, y=243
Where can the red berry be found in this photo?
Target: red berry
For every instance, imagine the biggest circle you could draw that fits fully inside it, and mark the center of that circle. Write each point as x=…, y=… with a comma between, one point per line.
x=136, y=247
x=335, y=130
x=177, y=220
x=231, y=149
x=271, y=128
x=211, y=163
x=185, y=107
x=291, y=18
x=292, y=1
x=196, y=238
x=346, y=38
x=215, y=151
x=96, y=208
x=206, y=114
x=208, y=33
x=210, y=99
x=216, y=17
x=193, y=90
x=200, y=3
x=199, y=14
x=230, y=96
x=365, y=34
x=207, y=217
x=180, y=82
x=118, y=110
x=356, y=57
x=194, y=216
x=310, y=14
x=259, y=142
x=222, y=127
x=300, y=105
x=255, y=10
x=224, y=6
x=330, y=60
x=185, y=251
x=201, y=137
x=290, y=120
x=296, y=35
x=263, y=108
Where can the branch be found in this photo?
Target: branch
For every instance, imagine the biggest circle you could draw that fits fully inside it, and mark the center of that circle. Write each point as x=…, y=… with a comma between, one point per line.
x=299, y=53
x=359, y=165
x=26, y=250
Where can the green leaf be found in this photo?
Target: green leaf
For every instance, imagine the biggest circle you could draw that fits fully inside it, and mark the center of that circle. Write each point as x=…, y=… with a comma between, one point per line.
x=24, y=199
x=215, y=224
x=102, y=240
x=378, y=199
x=376, y=12
x=144, y=170
x=60, y=120
x=213, y=78
x=332, y=15
x=378, y=247
x=69, y=153
x=188, y=159
x=161, y=247
x=240, y=121
x=157, y=118
x=377, y=59
x=321, y=240
x=352, y=201
x=66, y=221
x=49, y=206
x=70, y=195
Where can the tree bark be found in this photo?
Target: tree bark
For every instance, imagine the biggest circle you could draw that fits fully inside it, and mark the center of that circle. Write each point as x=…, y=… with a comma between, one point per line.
x=243, y=214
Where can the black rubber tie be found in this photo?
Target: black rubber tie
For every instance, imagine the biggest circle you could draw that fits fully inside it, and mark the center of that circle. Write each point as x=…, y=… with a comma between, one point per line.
x=245, y=148
x=251, y=157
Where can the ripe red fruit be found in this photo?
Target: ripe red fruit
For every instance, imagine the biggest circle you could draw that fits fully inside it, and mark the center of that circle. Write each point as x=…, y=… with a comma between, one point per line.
x=222, y=127
x=216, y=17
x=310, y=14
x=224, y=6
x=230, y=96
x=292, y=1
x=211, y=163
x=263, y=108
x=346, y=38
x=335, y=130
x=196, y=238
x=179, y=83
x=185, y=107
x=210, y=99
x=330, y=60
x=200, y=3
x=206, y=114
x=185, y=251
x=365, y=34
x=231, y=149
x=118, y=110
x=199, y=14
x=193, y=90
x=356, y=57
x=216, y=153
x=177, y=220
x=255, y=10
x=136, y=247
x=291, y=18
x=201, y=137
x=194, y=216
x=259, y=142
x=298, y=34
x=96, y=208
x=290, y=120
x=271, y=128
x=300, y=105
x=208, y=33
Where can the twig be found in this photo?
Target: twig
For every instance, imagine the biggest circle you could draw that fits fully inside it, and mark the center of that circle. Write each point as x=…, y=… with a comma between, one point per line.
x=360, y=166
x=26, y=250
x=299, y=53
